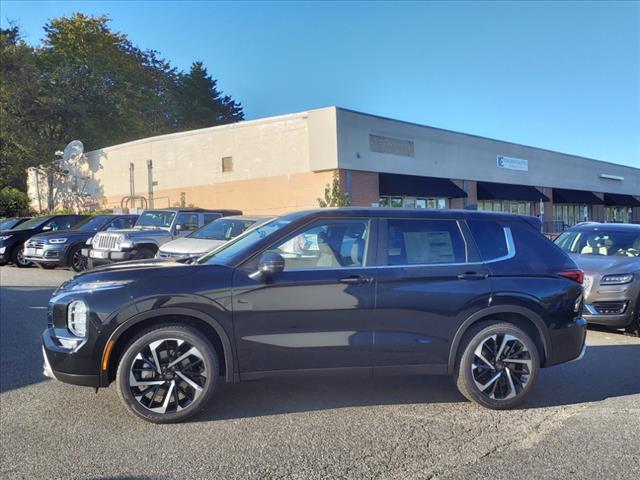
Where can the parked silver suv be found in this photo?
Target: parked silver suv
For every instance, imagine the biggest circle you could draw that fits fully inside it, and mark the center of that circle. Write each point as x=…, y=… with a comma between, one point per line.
x=609, y=255
x=153, y=228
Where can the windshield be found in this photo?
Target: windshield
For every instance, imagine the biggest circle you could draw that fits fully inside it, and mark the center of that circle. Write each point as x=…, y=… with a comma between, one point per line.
x=228, y=250
x=7, y=223
x=155, y=219
x=92, y=224
x=33, y=223
x=223, y=229
x=601, y=242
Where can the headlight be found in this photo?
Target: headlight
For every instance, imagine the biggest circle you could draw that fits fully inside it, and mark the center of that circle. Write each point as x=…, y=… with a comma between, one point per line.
x=57, y=240
x=5, y=237
x=93, y=286
x=77, y=318
x=89, y=241
x=94, y=241
x=119, y=240
x=617, y=279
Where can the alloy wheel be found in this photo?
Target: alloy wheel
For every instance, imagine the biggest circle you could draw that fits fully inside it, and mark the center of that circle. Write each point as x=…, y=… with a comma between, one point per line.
x=501, y=366
x=167, y=375
x=78, y=262
x=20, y=258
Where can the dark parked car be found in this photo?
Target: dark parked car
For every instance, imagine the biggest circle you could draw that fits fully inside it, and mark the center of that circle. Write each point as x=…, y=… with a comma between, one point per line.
x=609, y=255
x=12, y=241
x=63, y=248
x=12, y=222
x=484, y=297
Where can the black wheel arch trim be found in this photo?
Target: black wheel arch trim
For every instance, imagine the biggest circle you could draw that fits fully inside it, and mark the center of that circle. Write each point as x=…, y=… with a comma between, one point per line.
x=230, y=374
x=487, y=312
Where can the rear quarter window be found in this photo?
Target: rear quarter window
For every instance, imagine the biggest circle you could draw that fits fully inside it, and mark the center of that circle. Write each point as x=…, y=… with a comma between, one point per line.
x=537, y=252
x=490, y=238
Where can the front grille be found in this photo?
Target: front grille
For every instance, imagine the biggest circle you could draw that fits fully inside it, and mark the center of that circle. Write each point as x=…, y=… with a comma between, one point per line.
x=106, y=241
x=35, y=244
x=609, y=308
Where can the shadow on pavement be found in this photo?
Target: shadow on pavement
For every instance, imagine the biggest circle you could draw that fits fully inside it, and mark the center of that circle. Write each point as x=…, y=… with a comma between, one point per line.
x=23, y=317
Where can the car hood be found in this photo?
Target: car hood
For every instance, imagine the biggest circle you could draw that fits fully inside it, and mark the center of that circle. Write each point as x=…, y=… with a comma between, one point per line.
x=64, y=233
x=592, y=264
x=188, y=245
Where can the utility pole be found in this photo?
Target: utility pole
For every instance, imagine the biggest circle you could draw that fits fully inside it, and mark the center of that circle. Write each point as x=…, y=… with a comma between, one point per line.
x=150, y=181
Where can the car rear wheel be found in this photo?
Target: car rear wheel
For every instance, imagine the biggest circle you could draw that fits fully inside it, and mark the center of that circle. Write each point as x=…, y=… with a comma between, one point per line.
x=497, y=365
x=167, y=374
x=17, y=257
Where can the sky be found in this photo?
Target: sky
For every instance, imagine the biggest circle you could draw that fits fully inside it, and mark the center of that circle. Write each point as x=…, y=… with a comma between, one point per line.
x=555, y=75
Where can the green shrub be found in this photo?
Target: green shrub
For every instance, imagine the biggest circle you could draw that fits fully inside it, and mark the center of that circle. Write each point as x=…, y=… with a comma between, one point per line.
x=13, y=202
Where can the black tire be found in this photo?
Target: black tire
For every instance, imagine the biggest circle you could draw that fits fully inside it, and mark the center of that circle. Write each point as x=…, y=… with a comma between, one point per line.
x=201, y=369
x=76, y=260
x=634, y=327
x=17, y=257
x=144, y=253
x=510, y=380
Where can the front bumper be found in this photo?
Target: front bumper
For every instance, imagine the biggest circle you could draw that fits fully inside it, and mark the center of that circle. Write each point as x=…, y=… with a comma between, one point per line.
x=50, y=254
x=66, y=363
x=103, y=257
x=611, y=305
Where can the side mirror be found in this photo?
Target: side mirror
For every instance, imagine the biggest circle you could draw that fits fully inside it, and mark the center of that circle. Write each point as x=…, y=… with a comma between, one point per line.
x=269, y=264
x=178, y=227
x=46, y=228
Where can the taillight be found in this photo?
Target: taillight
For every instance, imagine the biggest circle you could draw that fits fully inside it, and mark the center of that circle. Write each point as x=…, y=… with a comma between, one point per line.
x=575, y=275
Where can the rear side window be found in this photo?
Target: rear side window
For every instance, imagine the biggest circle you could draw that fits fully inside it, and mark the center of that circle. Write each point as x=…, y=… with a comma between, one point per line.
x=536, y=251
x=423, y=242
x=490, y=238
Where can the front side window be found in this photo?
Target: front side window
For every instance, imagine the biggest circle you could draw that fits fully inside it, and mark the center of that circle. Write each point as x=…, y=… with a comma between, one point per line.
x=188, y=221
x=33, y=223
x=155, y=219
x=423, y=242
x=326, y=244
x=222, y=229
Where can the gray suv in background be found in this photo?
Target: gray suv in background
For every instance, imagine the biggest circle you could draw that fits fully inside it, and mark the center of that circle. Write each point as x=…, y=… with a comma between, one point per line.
x=153, y=229
x=209, y=237
x=609, y=255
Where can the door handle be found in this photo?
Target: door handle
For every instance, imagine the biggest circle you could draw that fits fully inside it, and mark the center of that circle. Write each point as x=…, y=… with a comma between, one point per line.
x=356, y=280
x=472, y=276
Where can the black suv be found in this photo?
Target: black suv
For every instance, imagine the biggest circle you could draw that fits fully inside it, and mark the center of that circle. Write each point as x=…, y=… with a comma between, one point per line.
x=12, y=241
x=482, y=296
x=64, y=248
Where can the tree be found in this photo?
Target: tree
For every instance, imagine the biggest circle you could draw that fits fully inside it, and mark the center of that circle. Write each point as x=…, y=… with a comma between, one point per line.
x=200, y=103
x=90, y=83
x=334, y=196
x=13, y=202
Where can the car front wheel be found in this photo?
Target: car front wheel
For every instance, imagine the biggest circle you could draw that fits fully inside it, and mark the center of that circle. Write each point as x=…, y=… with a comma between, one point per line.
x=498, y=364
x=167, y=374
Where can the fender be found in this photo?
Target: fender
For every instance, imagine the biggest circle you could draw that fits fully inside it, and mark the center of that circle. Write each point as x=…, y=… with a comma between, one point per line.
x=187, y=312
x=487, y=312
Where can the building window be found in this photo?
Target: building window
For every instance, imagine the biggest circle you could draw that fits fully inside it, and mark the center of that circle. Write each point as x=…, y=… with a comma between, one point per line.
x=617, y=214
x=393, y=146
x=506, y=206
x=414, y=202
x=570, y=214
x=227, y=164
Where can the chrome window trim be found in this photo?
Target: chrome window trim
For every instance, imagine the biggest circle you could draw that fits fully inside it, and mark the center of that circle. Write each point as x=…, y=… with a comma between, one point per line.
x=511, y=247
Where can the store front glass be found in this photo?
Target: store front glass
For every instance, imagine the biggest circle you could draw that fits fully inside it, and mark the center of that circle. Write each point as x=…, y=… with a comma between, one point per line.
x=571, y=214
x=617, y=214
x=414, y=202
x=507, y=206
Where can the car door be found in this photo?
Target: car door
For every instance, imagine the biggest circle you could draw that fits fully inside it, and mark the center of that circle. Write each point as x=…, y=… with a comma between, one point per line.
x=316, y=313
x=429, y=280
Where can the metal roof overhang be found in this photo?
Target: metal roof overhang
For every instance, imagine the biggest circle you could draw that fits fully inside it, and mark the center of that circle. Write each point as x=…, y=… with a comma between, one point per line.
x=582, y=197
x=506, y=191
x=620, y=200
x=394, y=184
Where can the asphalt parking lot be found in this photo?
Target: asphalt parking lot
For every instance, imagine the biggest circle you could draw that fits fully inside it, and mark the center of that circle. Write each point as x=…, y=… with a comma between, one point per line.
x=583, y=420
